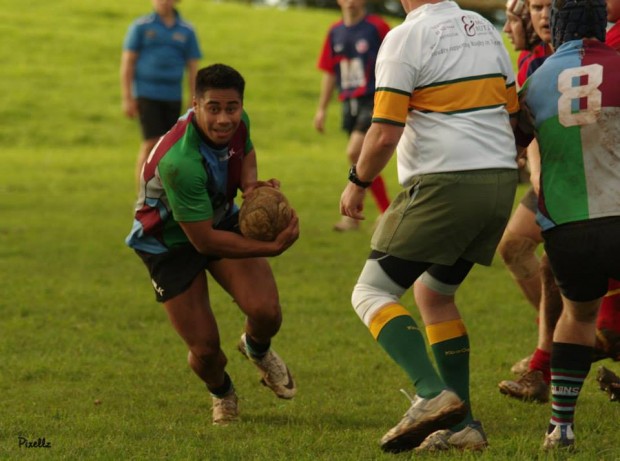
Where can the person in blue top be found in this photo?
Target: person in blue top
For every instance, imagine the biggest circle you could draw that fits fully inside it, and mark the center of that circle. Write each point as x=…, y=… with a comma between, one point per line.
x=157, y=49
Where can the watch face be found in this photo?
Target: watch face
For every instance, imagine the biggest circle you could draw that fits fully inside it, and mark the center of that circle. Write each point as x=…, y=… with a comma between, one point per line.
x=352, y=174
x=357, y=181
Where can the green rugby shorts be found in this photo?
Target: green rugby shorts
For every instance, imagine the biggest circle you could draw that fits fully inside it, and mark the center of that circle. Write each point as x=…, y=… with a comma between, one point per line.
x=446, y=216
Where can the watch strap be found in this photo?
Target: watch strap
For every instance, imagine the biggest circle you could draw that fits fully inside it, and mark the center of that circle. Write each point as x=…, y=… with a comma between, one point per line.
x=357, y=181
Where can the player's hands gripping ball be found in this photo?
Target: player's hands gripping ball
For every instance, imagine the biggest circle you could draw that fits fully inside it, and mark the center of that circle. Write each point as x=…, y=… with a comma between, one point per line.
x=264, y=213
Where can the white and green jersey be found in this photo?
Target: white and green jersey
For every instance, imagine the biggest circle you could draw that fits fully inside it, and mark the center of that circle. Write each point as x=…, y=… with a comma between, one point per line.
x=445, y=75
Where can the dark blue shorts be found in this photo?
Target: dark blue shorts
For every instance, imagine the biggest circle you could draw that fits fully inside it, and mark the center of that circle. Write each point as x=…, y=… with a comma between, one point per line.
x=174, y=271
x=584, y=256
x=357, y=114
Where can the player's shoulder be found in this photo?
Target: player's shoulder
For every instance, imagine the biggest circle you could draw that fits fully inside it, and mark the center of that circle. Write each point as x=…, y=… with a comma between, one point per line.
x=378, y=23
x=245, y=120
x=180, y=141
x=416, y=25
x=523, y=57
x=180, y=159
x=335, y=25
x=376, y=20
x=145, y=19
x=185, y=24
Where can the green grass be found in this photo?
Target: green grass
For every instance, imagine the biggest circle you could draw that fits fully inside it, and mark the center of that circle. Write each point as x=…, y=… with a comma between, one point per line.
x=88, y=359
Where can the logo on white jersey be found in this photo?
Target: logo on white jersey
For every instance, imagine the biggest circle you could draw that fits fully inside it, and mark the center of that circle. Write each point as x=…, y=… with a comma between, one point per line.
x=473, y=26
x=469, y=26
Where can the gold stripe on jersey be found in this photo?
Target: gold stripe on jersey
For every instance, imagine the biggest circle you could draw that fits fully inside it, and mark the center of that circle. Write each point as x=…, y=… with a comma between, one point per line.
x=513, y=99
x=465, y=95
x=381, y=318
x=391, y=106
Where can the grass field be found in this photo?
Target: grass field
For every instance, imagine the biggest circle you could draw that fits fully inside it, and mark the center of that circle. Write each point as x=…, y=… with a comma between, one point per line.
x=88, y=361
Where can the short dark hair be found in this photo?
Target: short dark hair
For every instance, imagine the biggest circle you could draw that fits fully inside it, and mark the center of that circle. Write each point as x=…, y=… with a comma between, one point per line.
x=219, y=76
x=576, y=19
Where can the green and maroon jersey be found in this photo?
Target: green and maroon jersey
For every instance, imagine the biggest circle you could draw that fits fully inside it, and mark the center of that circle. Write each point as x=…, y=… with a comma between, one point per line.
x=572, y=103
x=186, y=180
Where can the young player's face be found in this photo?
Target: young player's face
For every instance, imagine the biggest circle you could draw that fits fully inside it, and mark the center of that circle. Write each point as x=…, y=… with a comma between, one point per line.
x=352, y=6
x=613, y=10
x=163, y=6
x=540, y=12
x=218, y=114
x=514, y=30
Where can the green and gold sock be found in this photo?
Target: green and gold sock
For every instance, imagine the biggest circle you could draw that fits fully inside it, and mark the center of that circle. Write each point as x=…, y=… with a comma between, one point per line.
x=396, y=331
x=450, y=345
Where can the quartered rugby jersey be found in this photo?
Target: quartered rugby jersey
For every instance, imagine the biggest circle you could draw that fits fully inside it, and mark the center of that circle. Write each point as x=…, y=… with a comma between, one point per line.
x=186, y=180
x=573, y=103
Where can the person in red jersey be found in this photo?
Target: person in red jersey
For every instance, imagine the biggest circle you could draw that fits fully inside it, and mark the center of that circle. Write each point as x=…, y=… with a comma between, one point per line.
x=613, y=16
x=347, y=61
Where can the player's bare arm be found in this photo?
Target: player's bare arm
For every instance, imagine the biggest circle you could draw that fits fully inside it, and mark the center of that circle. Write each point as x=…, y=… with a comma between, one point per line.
x=379, y=145
x=210, y=241
x=128, y=66
x=192, y=68
x=533, y=158
x=249, y=174
x=328, y=84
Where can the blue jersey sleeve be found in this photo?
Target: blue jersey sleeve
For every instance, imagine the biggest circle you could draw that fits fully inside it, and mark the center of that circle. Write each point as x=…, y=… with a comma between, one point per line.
x=132, y=40
x=193, y=49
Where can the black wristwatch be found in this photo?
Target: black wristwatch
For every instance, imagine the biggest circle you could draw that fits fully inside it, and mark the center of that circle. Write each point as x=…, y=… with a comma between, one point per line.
x=357, y=181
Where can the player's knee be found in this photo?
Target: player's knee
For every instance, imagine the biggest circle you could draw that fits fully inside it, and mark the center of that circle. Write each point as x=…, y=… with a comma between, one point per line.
x=266, y=319
x=367, y=300
x=207, y=354
x=374, y=289
x=436, y=286
x=519, y=255
x=546, y=273
x=545, y=265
